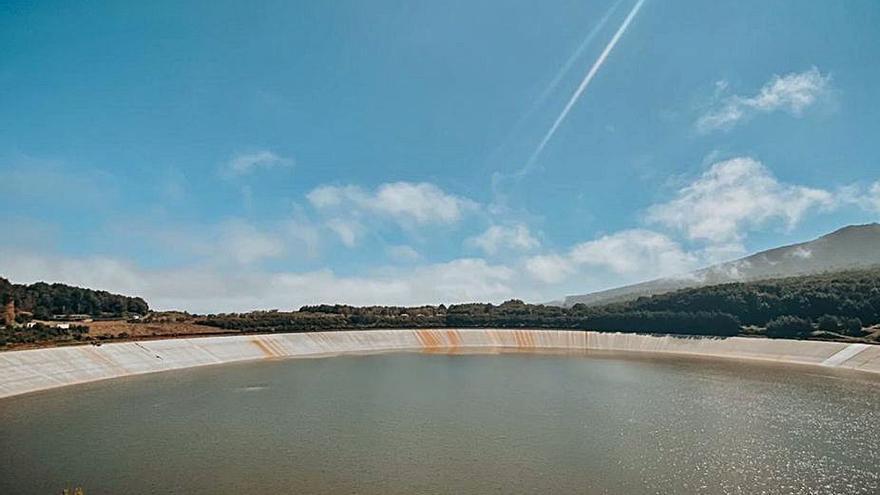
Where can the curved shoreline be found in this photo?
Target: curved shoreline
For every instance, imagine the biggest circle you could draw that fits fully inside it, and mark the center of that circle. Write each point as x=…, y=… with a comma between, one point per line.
x=27, y=371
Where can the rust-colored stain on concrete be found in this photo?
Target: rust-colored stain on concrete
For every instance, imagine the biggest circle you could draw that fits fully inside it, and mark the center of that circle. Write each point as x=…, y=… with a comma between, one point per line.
x=427, y=339
x=438, y=341
x=320, y=340
x=278, y=345
x=524, y=339
x=272, y=343
x=454, y=338
x=494, y=339
x=267, y=350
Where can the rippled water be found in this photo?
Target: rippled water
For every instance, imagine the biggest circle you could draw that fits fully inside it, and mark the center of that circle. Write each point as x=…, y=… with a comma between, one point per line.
x=407, y=423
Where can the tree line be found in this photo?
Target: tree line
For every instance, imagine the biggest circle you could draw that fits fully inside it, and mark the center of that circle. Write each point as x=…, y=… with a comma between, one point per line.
x=45, y=301
x=840, y=303
x=833, y=306
x=511, y=314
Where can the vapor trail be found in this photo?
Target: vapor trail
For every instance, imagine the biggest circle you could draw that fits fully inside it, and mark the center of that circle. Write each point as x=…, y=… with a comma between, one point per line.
x=577, y=54
x=551, y=87
x=583, y=86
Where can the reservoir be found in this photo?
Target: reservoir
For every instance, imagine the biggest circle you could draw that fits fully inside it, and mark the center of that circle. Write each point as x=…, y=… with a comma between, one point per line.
x=407, y=423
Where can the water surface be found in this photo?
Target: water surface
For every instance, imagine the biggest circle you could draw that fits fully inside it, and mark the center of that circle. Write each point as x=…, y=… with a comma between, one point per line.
x=409, y=423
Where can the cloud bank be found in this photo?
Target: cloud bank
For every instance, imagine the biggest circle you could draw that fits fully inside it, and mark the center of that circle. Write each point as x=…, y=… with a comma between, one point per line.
x=635, y=252
x=204, y=289
x=240, y=264
x=734, y=196
x=499, y=238
x=405, y=202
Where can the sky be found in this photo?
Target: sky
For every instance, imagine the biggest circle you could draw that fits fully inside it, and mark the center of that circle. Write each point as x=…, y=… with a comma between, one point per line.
x=228, y=156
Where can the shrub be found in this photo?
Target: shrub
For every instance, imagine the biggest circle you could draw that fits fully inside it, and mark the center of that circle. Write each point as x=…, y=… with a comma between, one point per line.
x=853, y=327
x=829, y=323
x=788, y=327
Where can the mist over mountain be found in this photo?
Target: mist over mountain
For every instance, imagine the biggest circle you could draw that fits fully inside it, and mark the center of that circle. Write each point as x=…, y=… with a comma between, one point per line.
x=854, y=246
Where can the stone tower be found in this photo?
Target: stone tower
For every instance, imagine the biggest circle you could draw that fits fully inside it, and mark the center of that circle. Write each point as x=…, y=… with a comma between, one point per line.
x=9, y=312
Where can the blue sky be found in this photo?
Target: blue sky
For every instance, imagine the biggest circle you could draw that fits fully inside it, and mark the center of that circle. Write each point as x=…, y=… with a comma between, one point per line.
x=220, y=156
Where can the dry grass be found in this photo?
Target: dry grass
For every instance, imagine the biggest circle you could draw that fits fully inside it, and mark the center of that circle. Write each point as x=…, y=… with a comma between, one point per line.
x=141, y=330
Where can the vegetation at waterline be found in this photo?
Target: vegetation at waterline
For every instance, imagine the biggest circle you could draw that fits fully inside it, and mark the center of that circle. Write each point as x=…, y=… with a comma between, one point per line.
x=835, y=306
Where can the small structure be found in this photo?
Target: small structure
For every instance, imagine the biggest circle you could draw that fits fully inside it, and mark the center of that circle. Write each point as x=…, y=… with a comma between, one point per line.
x=9, y=312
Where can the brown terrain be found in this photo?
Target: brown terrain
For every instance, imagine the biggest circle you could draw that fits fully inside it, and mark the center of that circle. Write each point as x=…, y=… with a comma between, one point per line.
x=121, y=328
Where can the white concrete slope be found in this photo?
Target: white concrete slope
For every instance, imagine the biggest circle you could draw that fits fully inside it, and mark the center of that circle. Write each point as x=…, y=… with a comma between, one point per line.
x=39, y=369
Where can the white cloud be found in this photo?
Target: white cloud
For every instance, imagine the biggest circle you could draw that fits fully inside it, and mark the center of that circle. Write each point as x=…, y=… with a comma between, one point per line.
x=402, y=253
x=549, y=268
x=406, y=202
x=872, y=200
x=791, y=92
x=207, y=289
x=48, y=183
x=860, y=195
x=801, y=253
x=629, y=253
x=718, y=253
x=301, y=234
x=324, y=197
x=497, y=238
x=735, y=195
x=245, y=244
x=245, y=163
x=233, y=241
x=424, y=203
x=633, y=251
x=462, y=280
x=347, y=231
x=97, y=272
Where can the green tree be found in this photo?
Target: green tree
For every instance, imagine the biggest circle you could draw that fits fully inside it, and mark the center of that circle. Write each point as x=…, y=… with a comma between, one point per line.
x=789, y=327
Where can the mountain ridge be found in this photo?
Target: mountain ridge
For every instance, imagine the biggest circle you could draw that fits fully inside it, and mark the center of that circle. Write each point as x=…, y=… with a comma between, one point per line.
x=849, y=247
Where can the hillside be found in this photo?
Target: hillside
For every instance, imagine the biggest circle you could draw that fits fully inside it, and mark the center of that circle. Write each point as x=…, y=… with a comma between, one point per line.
x=44, y=301
x=852, y=247
x=845, y=295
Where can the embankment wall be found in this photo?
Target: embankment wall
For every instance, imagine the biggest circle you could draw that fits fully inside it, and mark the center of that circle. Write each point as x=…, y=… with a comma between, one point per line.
x=39, y=369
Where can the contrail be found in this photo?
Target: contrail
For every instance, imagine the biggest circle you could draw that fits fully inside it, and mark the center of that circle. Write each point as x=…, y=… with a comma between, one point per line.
x=551, y=87
x=577, y=53
x=583, y=86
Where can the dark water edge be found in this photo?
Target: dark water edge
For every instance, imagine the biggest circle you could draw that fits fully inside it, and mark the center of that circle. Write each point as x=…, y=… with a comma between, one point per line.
x=412, y=423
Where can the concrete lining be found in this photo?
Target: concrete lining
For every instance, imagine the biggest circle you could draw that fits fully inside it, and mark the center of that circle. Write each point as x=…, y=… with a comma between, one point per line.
x=845, y=354
x=39, y=369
